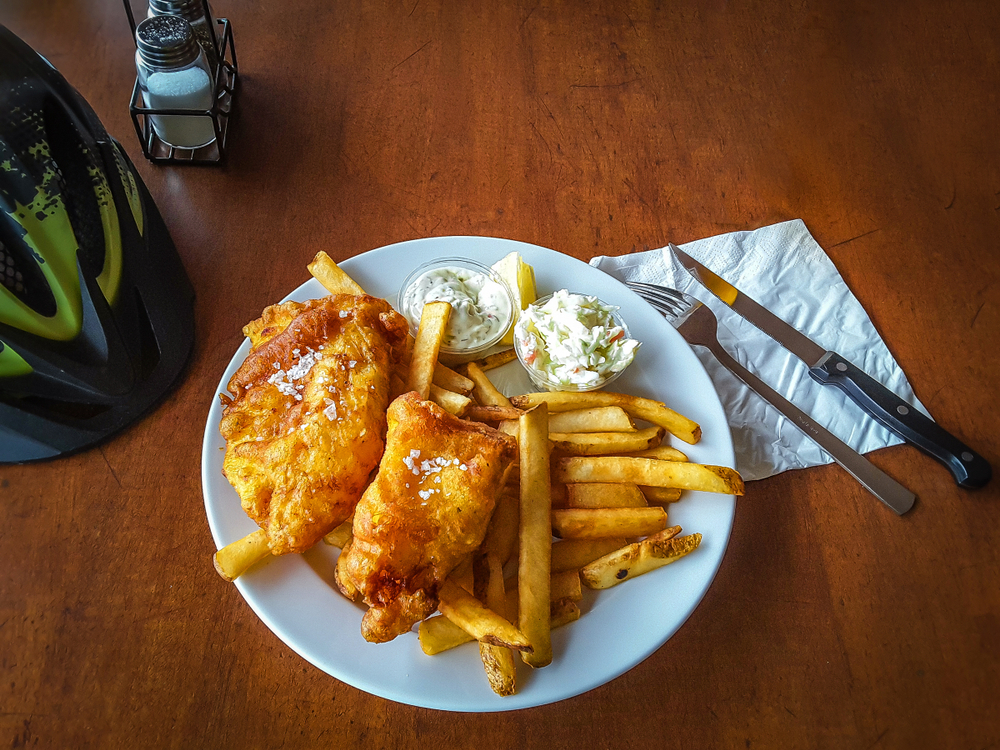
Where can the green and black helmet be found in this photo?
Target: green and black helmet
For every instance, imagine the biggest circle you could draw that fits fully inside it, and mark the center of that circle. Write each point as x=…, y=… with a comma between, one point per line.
x=96, y=312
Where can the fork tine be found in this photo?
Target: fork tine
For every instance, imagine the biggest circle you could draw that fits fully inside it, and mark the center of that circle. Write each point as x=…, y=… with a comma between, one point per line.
x=668, y=301
x=658, y=289
x=667, y=310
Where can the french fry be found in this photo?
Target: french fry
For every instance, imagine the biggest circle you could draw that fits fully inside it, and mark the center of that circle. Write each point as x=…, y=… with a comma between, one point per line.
x=493, y=413
x=668, y=533
x=463, y=574
x=563, y=612
x=445, y=377
x=661, y=495
x=536, y=536
x=397, y=385
x=496, y=359
x=557, y=490
x=604, y=495
x=236, y=558
x=513, y=478
x=482, y=623
x=406, y=351
x=438, y=634
x=599, y=523
x=501, y=538
x=331, y=276
x=593, y=419
x=565, y=585
x=573, y=554
x=340, y=535
x=635, y=559
x=498, y=661
x=558, y=493
x=499, y=665
x=648, y=471
x=486, y=393
x=662, y=452
x=430, y=334
x=452, y=402
x=605, y=443
x=497, y=547
x=641, y=408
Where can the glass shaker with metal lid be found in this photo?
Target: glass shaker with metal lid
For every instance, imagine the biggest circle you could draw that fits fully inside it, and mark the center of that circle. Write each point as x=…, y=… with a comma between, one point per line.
x=198, y=13
x=173, y=74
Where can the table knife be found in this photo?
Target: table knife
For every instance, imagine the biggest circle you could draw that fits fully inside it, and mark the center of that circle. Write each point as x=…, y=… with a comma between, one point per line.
x=700, y=327
x=829, y=368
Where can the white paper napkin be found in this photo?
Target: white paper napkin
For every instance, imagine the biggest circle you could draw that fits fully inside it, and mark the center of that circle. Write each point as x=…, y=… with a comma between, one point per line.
x=785, y=270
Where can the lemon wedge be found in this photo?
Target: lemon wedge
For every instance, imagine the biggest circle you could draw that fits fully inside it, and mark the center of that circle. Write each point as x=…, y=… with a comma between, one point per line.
x=520, y=277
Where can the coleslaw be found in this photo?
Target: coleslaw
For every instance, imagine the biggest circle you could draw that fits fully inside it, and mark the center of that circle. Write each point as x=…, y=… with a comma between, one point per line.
x=573, y=341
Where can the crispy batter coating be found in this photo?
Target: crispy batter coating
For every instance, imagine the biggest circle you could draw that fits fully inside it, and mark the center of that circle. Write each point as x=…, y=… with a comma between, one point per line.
x=427, y=509
x=306, y=424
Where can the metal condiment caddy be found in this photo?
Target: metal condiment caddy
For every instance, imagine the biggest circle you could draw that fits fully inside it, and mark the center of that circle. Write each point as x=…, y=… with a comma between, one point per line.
x=159, y=151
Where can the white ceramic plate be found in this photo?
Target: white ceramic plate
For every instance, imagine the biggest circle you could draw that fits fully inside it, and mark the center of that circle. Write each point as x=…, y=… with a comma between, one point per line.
x=296, y=597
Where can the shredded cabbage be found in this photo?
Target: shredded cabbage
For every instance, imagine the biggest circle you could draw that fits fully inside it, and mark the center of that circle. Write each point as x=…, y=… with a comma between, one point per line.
x=572, y=340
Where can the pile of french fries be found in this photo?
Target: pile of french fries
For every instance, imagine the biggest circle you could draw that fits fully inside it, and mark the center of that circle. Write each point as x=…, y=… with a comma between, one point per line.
x=585, y=506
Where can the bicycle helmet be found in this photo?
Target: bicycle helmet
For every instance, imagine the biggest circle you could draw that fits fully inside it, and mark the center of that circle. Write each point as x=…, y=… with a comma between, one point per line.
x=96, y=311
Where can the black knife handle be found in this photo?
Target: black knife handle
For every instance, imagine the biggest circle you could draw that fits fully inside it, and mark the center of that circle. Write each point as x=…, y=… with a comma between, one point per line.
x=969, y=468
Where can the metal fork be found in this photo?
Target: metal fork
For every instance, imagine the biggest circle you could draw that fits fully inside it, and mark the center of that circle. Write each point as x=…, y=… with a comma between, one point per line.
x=668, y=301
x=699, y=327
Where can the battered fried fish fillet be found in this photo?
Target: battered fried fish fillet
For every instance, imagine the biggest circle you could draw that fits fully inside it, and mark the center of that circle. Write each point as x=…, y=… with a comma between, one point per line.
x=306, y=424
x=426, y=510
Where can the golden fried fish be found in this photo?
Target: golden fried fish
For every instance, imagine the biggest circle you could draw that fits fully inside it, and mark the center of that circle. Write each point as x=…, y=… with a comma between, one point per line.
x=426, y=510
x=306, y=424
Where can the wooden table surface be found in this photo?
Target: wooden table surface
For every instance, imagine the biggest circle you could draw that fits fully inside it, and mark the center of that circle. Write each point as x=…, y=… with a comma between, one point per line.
x=593, y=129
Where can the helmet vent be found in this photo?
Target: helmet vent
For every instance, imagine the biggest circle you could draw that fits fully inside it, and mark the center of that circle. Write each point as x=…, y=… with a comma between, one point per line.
x=79, y=177
x=25, y=281
x=9, y=275
x=69, y=410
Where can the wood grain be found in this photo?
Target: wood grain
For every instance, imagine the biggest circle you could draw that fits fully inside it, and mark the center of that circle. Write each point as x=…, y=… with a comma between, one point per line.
x=591, y=128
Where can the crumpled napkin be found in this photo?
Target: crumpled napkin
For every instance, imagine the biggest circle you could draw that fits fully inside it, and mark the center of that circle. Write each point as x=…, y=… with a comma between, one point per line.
x=784, y=269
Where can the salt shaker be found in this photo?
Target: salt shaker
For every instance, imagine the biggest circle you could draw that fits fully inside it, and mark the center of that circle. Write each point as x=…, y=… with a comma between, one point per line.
x=198, y=13
x=173, y=73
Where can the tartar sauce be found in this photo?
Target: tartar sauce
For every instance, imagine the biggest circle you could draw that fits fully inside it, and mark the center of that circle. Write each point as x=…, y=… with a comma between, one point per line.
x=573, y=341
x=480, y=307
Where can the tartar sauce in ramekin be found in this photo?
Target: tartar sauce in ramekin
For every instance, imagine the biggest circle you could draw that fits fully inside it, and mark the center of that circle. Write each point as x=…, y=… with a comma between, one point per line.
x=480, y=307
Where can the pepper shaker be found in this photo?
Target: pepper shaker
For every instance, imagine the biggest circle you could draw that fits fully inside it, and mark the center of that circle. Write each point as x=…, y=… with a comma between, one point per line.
x=173, y=73
x=198, y=13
